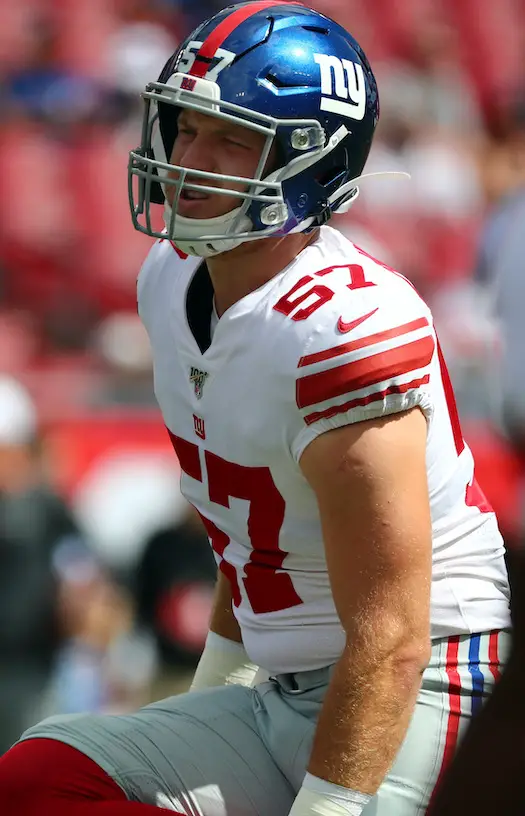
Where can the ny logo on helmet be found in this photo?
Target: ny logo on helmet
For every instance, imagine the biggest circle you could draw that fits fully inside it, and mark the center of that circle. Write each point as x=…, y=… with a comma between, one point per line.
x=345, y=80
x=198, y=378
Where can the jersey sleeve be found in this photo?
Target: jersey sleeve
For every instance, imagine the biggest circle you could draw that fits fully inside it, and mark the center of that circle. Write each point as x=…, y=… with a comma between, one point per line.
x=377, y=364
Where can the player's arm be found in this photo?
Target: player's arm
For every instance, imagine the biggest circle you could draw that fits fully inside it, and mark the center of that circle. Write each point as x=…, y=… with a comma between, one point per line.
x=223, y=622
x=371, y=486
x=224, y=660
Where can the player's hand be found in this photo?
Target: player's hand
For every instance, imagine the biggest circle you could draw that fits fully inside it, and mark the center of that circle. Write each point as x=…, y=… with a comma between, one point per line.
x=223, y=662
x=317, y=797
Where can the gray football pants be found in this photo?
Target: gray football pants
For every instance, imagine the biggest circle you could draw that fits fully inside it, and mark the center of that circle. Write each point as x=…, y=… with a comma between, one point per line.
x=236, y=751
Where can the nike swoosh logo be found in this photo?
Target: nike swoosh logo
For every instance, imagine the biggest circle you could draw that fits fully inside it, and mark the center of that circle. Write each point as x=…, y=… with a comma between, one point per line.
x=346, y=327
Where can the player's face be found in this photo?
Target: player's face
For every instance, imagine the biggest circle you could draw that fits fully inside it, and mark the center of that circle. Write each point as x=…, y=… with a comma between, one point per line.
x=206, y=143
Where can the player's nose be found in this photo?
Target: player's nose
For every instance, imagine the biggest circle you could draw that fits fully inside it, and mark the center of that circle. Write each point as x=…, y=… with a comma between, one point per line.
x=198, y=155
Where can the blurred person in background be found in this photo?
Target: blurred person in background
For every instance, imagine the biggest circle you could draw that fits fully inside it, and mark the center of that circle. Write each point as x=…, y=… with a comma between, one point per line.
x=501, y=264
x=174, y=587
x=35, y=525
x=500, y=271
x=121, y=344
x=96, y=667
x=63, y=619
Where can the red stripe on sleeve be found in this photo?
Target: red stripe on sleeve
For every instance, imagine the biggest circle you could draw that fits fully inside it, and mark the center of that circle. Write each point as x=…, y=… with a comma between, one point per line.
x=353, y=345
x=363, y=373
x=459, y=442
x=360, y=402
x=210, y=45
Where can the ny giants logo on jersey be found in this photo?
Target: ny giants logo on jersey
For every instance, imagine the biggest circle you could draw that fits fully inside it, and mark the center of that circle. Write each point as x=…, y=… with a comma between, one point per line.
x=198, y=378
x=199, y=427
x=342, y=79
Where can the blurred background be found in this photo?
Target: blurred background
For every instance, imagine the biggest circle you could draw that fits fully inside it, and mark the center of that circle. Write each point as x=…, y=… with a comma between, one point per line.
x=105, y=576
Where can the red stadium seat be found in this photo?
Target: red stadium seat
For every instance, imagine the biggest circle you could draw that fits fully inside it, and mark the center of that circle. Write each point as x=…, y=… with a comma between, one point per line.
x=114, y=250
x=84, y=29
x=492, y=42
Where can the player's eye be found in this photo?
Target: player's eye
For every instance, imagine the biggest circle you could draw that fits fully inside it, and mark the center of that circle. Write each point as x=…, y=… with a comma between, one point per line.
x=185, y=130
x=238, y=143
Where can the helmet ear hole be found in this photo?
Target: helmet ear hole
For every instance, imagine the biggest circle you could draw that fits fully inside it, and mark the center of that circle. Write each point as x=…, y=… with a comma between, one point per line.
x=329, y=182
x=333, y=176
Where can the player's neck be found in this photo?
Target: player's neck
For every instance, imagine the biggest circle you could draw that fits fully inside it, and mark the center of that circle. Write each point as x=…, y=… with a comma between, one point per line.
x=236, y=273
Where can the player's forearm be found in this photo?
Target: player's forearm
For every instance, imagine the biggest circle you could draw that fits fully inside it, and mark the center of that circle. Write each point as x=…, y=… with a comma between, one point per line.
x=224, y=660
x=366, y=713
x=223, y=621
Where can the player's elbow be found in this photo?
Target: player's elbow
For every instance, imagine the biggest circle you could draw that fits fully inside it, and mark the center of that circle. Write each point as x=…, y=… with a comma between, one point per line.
x=397, y=646
x=405, y=661
x=410, y=660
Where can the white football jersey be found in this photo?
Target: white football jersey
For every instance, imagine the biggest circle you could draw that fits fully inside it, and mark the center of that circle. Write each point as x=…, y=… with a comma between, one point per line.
x=335, y=338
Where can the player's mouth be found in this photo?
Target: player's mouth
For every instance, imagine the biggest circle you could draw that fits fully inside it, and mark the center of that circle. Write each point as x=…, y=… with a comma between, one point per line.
x=191, y=200
x=193, y=195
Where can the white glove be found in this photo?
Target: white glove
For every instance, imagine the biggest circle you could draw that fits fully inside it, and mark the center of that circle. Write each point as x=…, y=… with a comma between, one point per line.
x=317, y=797
x=223, y=662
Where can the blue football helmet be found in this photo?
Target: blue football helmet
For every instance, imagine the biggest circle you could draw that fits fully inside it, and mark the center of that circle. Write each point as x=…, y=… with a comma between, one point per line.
x=282, y=70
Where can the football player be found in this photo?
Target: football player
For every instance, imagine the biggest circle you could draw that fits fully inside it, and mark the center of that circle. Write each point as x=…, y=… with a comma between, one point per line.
x=310, y=408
